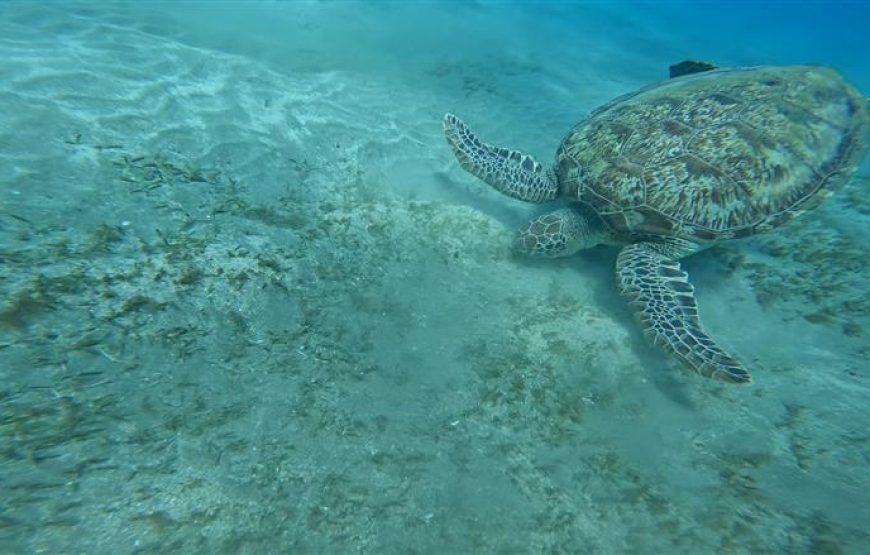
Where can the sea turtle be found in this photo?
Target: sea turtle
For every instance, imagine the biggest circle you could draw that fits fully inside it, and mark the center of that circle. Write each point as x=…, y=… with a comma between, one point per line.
x=677, y=166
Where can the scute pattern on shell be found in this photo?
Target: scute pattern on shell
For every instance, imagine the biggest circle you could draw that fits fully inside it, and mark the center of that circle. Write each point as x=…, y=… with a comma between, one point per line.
x=715, y=155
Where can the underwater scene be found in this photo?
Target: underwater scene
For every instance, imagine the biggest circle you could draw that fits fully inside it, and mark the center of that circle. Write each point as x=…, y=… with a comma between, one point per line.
x=259, y=295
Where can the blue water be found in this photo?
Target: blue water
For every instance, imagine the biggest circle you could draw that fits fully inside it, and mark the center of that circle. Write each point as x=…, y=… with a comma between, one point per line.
x=250, y=303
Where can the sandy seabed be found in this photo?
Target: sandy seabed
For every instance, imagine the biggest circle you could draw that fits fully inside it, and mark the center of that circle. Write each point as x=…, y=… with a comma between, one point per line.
x=247, y=311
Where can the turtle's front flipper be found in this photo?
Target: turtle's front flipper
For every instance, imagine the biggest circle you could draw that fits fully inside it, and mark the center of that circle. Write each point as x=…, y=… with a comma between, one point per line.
x=508, y=171
x=657, y=288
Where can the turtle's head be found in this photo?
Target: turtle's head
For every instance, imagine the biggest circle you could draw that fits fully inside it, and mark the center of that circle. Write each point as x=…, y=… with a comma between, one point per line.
x=559, y=233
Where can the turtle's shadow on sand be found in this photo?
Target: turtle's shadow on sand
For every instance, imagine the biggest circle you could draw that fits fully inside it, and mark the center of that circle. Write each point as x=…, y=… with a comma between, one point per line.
x=508, y=212
x=598, y=264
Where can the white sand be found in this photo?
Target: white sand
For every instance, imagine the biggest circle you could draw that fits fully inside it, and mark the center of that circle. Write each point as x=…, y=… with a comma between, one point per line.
x=255, y=306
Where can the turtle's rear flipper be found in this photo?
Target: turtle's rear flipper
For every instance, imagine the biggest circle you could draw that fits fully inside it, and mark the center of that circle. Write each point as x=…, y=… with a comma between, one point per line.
x=508, y=171
x=664, y=302
x=690, y=66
